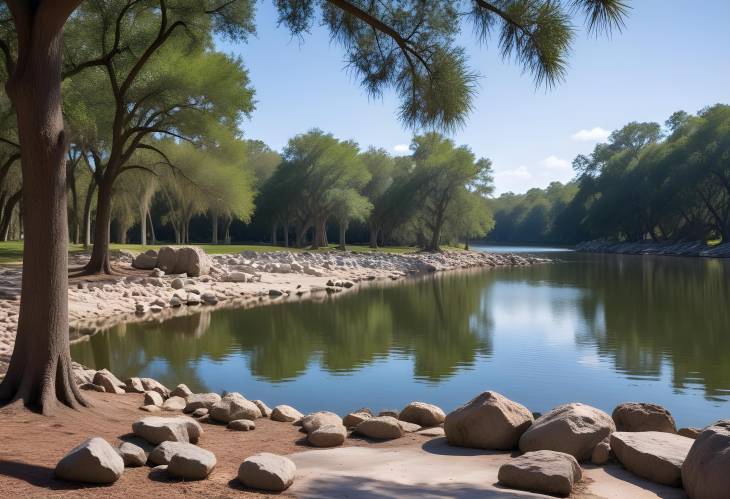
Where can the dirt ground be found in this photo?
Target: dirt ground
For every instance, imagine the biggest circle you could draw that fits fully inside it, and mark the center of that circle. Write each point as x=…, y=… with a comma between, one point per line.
x=31, y=445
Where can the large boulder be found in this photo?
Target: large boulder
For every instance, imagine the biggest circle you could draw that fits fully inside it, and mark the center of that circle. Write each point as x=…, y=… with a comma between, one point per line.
x=639, y=416
x=232, y=407
x=267, y=471
x=489, y=421
x=265, y=409
x=380, y=427
x=191, y=463
x=313, y=421
x=132, y=455
x=544, y=471
x=573, y=428
x=146, y=260
x=163, y=453
x=189, y=260
x=286, y=414
x=422, y=414
x=181, y=390
x=355, y=418
x=157, y=429
x=705, y=472
x=201, y=401
x=134, y=385
x=153, y=398
x=328, y=435
x=654, y=455
x=150, y=384
x=109, y=382
x=94, y=461
x=174, y=404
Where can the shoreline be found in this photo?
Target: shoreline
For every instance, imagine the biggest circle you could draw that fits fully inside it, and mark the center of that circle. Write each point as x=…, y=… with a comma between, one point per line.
x=694, y=249
x=249, y=279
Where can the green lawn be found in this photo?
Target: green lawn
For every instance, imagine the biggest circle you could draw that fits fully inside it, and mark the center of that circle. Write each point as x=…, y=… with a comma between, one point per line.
x=12, y=251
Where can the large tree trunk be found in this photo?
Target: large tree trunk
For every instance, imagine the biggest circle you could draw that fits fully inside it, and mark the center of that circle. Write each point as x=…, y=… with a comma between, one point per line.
x=343, y=232
x=87, y=214
x=373, y=236
x=99, y=262
x=214, y=229
x=286, y=235
x=143, y=225
x=152, y=227
x=40, y=373
x=320, y=233
x=273, y=235
x=8, y=214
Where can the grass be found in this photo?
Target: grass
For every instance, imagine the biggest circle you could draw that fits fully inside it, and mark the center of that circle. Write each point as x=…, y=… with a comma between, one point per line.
x=12, y=251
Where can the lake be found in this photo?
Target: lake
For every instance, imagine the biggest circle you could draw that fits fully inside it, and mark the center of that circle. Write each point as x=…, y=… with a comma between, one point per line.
x=599, y=329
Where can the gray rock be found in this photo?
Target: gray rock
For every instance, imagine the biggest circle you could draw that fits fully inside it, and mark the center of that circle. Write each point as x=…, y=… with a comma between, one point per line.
x=150, y=408
x=150, y=384
x=181, y=390
x=327, y=435
x=234, y=406
x=94, y=461
x=355, y=418
x=545, y=471
x=489, y=421
x=134, y=385
x=689, y=432
x=156, y=429
x=571, y=428
x=153, y=398
x=422, y=414
x=174, y=404
x=177, y=283
x=285, y=414
x=242, y=425
x=162, y=454
x=200, y=412
x=201, y=400
x=409, y=427
x=265, y=409
x=380, y=427
x=705, y=469
x=654, y=455
x=109, y=382
x=267, y=471
x=191, y=463
x=132, y=455
x=146, y=260
x=311, y=422
x=601, y=453
x=639, y=416
x=183, y=259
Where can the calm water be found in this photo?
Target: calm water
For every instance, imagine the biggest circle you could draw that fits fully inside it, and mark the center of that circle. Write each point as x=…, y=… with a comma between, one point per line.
x=590, y=328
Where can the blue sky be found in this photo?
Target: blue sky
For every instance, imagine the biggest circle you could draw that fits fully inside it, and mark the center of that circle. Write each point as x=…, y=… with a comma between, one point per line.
x=673, y=54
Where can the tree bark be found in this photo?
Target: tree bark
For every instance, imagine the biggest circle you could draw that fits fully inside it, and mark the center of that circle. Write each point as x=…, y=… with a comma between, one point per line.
x=286, y=235
x=143, y=225
x=273, y=235
x=8, y=214
x=99, y=262
x=152, y=227
x=40, y=373
x=373, y=237
x=87, y=214
x=343, y=233
x=214, y=239
x=320, y=234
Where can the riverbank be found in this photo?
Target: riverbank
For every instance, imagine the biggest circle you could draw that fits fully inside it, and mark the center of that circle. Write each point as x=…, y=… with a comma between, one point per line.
x=691, y=248
x=233, y=280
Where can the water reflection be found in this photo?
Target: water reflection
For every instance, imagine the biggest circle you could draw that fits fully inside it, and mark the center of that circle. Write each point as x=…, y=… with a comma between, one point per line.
x=605, y=328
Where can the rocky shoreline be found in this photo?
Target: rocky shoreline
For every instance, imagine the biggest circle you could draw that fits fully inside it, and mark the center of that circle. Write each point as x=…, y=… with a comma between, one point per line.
x=689, y=249
x=180, y=280
x=546, y=453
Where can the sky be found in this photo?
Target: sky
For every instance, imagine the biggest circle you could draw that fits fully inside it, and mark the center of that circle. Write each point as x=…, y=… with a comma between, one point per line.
x=672, y=55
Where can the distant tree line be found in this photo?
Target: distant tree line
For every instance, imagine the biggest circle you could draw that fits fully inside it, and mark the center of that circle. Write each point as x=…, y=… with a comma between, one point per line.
x=648, y=182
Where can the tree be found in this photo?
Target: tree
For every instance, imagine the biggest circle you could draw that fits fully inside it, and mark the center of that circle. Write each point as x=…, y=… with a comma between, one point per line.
x=417, y=57
x=349, y=205
x=381, y=167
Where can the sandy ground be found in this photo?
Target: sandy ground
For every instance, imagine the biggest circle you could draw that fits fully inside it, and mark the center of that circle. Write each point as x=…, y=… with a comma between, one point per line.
x=412, y=466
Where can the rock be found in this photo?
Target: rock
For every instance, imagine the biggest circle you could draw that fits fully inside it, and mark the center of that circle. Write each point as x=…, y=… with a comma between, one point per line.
x=285, y=414
x=689, y=432
x=146, y=260
x=436, y=431
x=153, y=398
x=162, y=454
x=175, y=302
x=177, y=283
x=134, y=385
x=109, y=382
x=328, y=435
x=192, y=299
x=705, y=469
x=155, y=386
x=242, y=425
x=201, y=400
x=392, y=414
x=190, y=260
x=150, y=408
x=380, y=427
x=200, y=412
x=92, y=387
x=157, y=429
x=265, y=409
x=275, y=292
x=409, y=427
x=234, y=406
x=174, y=404
x=181, y=390
x=422, y=414
x=209, y=298
x=573, y=428
x=544, y=471
x=132, y=455
x=489, y=421
x=94, y=461
x=191, y=463
x=636, y=416
x=311, y=422
x=601, y=453
x=267, y=471
x=355, y=418
x=654, y=455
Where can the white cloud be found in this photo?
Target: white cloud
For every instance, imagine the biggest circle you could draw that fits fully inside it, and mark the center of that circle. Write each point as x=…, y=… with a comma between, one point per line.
x=596, y=134
x=401, y=149
x=521, y=172
x=554, y=163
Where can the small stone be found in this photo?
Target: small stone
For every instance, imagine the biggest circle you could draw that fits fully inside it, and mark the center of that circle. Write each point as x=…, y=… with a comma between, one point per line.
x=267, y=471
x=242, y=425
x=177, y=283
x=132, y=455
x=94, y=461
x=601, y=454
x=200, y=412
x=275, y=292
x=544, y=471
x=409, y=427
x=286, y=414
x=436, y=431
